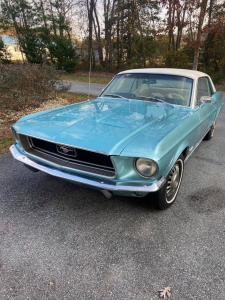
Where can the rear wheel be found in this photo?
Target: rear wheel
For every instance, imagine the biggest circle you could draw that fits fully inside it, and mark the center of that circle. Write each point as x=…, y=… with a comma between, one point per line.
x=210, y=133
x=166, y=196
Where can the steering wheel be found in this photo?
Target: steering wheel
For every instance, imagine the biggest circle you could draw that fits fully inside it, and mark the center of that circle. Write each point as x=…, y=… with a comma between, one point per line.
x=174, y=95
x=176, y=98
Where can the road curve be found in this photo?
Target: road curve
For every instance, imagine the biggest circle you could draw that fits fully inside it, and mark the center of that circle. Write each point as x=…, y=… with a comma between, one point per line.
x=83, y=88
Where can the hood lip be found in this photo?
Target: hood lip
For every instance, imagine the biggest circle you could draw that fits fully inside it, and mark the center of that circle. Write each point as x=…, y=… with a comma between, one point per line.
x=131, y=155
x=63, y=144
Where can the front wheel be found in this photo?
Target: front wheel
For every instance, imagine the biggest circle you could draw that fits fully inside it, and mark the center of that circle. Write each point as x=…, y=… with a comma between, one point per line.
x=166, y=196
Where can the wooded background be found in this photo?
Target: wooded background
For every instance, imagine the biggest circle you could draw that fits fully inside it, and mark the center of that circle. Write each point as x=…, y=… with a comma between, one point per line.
x=112, y=35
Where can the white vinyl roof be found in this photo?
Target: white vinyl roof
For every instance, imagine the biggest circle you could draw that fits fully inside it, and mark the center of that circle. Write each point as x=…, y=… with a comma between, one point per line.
x=169, y=71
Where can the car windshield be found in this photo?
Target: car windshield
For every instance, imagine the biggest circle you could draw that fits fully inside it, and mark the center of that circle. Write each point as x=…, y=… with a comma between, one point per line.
x=172, y=89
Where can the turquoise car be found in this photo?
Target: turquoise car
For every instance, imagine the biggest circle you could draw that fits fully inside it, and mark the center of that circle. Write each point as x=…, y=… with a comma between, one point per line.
x=132, y=140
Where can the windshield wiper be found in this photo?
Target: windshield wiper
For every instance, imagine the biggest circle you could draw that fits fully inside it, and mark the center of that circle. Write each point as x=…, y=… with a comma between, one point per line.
x=115, y=96
x=158, y=100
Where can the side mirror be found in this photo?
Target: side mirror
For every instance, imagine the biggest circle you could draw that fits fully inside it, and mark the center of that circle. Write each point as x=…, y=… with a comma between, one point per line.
x=205, y=98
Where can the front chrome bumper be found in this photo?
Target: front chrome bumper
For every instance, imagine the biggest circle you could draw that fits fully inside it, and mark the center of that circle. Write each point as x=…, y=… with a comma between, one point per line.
x=99, y=184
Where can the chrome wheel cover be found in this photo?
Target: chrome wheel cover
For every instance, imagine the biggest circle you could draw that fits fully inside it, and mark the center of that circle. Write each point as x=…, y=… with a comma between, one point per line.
x=174, y=180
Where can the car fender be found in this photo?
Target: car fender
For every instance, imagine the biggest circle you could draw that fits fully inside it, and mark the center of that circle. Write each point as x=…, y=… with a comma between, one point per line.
x=167, y=161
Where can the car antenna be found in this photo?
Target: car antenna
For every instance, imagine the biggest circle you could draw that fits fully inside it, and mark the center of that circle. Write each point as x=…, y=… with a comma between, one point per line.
x=89, y=75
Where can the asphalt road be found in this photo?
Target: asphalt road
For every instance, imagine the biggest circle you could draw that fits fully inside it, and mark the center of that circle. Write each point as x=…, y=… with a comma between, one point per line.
x=84, y=88
x=60, y=241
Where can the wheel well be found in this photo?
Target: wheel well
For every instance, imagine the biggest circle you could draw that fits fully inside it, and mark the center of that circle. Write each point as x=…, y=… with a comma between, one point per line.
x=185, y=152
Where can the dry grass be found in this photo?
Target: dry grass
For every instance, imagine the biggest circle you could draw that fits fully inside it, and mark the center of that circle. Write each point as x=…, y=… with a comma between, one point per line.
x=10, y=116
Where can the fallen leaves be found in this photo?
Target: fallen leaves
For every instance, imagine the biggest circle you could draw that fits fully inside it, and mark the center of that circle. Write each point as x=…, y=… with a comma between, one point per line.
x=165, y=293
x=8, y=117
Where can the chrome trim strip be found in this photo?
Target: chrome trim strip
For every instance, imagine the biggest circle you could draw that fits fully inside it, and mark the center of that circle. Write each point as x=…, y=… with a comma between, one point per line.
x=75, y=162
x=100, y=184
x=193, y=148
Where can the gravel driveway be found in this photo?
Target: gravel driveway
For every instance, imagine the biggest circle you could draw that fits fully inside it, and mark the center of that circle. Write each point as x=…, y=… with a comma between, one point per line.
x=60, y=241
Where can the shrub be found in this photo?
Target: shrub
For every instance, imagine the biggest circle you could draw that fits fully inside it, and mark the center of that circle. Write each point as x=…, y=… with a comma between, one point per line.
x=22, y=85
x=176, y=59
x=63, y=53
x=4, y=54
x=217, y=77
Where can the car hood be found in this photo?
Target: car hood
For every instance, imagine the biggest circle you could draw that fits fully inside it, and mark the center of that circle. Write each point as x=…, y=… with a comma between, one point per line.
x=105, y=125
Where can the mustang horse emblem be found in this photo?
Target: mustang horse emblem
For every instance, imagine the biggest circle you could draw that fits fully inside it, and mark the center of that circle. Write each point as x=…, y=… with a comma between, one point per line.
x=66, y=150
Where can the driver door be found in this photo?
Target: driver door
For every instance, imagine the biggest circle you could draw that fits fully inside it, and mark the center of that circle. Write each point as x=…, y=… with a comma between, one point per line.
x=206, y=110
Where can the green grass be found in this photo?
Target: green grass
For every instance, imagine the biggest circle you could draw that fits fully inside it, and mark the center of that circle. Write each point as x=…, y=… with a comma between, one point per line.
x=5, y=143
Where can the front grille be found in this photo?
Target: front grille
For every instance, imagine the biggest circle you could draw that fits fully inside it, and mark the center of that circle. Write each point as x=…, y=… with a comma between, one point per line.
x=70, y=157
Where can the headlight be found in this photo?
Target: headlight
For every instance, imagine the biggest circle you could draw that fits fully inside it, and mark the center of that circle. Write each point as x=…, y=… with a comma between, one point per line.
x=146, y=167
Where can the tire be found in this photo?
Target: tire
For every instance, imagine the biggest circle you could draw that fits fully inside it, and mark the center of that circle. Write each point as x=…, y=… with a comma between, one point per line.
x=210, y=133
x=166, y=196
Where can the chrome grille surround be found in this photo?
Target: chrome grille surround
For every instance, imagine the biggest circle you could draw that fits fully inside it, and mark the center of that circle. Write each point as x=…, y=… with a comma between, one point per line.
x=68, y=156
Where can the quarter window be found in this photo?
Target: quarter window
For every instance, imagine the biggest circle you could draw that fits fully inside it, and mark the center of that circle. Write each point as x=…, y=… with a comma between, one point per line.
x=203, y=89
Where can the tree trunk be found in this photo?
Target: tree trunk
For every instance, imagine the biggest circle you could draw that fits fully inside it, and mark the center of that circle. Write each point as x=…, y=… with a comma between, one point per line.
x=171, y=13
x=43, y=14
x=90, y=6
x=53, y=19
x=198, y=39
x=210, y=35
x=141, y=34
x=98, y=37
x=180, y=18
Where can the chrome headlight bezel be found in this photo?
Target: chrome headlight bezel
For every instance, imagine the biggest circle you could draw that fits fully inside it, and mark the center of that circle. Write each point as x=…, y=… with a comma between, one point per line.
x=146, y=167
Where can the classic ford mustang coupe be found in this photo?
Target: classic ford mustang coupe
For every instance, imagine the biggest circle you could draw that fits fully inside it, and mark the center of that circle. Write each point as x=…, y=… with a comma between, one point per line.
x=132, y=140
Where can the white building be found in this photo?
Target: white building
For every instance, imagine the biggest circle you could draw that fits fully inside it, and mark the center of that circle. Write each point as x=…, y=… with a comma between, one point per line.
x=12, y=47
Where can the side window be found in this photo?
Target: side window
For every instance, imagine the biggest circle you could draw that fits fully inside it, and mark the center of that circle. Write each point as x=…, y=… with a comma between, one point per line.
x=203, y=89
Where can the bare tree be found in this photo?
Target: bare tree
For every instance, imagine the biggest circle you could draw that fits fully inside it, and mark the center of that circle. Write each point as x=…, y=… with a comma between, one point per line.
x=177, y=20
x=109, y=13
x=203, y=6
x=98, y=35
